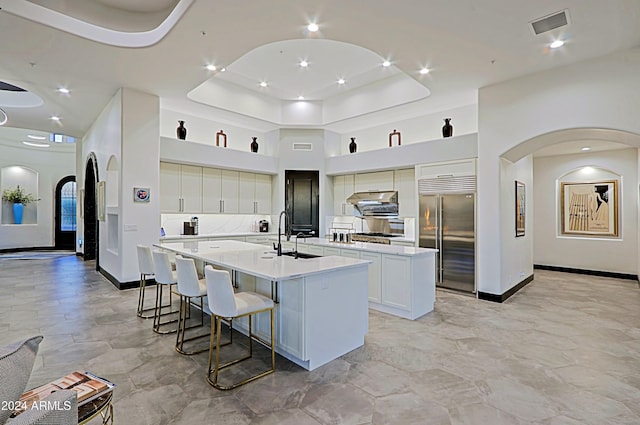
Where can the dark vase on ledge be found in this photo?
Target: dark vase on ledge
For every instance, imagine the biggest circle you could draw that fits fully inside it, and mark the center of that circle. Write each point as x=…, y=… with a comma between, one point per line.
x=181, y=131
x=254, y=145
x=447, y=128
x=353, y=146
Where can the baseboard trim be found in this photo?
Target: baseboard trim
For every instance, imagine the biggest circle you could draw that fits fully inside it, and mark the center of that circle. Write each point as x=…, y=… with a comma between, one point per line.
x=502, y=298
x=123, y=285
x=32, y=248
x=589, y=272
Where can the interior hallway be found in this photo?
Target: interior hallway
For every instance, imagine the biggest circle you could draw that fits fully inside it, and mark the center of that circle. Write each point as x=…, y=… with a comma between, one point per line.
x=565, y=350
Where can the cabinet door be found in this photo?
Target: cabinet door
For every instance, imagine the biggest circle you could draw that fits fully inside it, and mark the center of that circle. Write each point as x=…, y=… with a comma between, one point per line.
x=349, y=253
x=367, y=182
x=229, y=191
x=291, y=317
x=211, y=190
x=246, y=193
x=405, y=184
x=375, y=288
x=342, y=189
x=396, y=281
x=331, y=251
x=170, y=200
x=191, y=188
x=263, y=194
x=310, y=249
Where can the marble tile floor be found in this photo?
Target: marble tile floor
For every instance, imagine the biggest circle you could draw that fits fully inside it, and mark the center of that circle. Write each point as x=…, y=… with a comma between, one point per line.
x=565, y=350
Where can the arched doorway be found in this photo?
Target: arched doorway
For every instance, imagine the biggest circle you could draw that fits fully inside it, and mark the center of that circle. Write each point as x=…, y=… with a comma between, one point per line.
x=91, y=236
x=65, y=215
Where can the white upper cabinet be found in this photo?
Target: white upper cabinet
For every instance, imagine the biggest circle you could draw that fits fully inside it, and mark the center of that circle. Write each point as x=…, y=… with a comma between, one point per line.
x=211, y=190
x=404, y=182
x=342, y=188
x=180, y=188
x=371, y=182
x=229, y=191
x=254, y=193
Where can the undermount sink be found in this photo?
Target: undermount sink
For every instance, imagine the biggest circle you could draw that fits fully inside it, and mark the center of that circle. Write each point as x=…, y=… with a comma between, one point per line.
x=300, y=255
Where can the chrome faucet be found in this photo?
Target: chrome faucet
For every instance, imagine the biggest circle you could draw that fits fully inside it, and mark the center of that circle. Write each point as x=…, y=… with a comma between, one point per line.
x=286, y=217
x=295, y=253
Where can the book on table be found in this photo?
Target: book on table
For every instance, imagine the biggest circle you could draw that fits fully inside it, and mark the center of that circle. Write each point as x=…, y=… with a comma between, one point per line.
x=86, y=385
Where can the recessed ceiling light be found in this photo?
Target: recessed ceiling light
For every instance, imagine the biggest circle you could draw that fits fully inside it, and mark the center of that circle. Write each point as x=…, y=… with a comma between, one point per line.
x=36, y=145
x=55, y=118
x=63, y=90
x=312, y=27
x=3, y=117
x=211, y=67
x=223, y=69
x=586, y=148
x=424, y=71
x=341, y=81
x=34, y=137
x=301, y=97
x=556, y=44
x=304, y=63
x=386, y=64
x=263, y=84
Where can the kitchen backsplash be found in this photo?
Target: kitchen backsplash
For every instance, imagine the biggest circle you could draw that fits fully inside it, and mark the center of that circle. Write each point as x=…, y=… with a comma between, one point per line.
x=210, y=224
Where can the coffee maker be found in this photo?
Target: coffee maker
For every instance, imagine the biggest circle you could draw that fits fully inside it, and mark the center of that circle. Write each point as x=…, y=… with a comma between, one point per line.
x=263, y=226
x=191, y=227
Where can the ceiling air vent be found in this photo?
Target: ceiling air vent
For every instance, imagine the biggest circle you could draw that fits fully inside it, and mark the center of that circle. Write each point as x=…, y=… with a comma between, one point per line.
x=303, y=146
x=550, y=22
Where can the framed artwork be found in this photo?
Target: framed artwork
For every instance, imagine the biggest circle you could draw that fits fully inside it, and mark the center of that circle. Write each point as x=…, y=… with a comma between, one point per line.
x=590, y=208
x=141, y=194
x=520, y=208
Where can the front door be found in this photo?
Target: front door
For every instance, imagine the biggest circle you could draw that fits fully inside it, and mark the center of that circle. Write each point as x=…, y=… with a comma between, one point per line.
x=65, y=216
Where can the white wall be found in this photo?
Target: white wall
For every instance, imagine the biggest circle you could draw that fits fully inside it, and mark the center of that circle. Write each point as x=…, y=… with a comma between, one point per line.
x=51, y=167
x=600, y=93
x=521, y=266
x=604, y=254
x=127, y=131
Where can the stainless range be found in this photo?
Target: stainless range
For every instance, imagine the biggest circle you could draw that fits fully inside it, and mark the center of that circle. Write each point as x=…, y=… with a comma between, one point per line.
x=381, y=238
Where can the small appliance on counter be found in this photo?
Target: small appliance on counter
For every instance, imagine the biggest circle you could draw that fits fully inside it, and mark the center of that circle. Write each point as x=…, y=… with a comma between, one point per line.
x=191, y=227
x=263, y=226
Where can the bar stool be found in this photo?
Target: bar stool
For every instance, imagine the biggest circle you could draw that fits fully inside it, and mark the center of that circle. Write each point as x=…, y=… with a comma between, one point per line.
x=164, y=277
x=224, y=304
x=189, y=286
x=145, y=265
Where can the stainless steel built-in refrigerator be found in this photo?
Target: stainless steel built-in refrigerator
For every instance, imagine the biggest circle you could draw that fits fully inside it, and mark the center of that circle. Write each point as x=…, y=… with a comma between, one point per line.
x=447, y=223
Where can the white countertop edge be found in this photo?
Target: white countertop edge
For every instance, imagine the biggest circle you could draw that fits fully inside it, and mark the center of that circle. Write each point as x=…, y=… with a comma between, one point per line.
x=217, y=235
x=372, y=247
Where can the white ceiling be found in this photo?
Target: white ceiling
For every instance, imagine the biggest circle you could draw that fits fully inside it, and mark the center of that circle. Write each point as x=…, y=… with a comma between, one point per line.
x=467, y=44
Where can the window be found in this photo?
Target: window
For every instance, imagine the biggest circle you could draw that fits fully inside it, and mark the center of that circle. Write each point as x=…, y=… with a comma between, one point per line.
x=68, y=210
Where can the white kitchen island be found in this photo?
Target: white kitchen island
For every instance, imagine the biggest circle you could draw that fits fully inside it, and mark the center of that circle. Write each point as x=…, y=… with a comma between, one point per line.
x=321, y=310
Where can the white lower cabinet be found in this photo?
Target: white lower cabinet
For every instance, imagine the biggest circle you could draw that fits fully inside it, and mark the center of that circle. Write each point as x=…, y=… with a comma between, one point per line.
x=311, y=249
x=260, y=240
x=375, y=281
x=331, y=251
x=396, y=274
x=349, y=253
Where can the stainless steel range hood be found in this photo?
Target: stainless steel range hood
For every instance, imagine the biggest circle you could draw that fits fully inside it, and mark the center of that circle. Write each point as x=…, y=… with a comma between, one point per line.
x=375, y=204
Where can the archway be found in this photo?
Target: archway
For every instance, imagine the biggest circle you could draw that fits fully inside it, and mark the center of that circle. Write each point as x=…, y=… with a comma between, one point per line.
x=91, y=235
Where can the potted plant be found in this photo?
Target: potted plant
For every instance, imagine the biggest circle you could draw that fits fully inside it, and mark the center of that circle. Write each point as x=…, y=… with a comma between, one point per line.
x=19, y=199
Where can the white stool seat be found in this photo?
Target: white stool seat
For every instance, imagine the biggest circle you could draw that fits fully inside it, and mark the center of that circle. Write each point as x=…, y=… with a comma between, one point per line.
x=248, y=302
x=189, y=286
x=165, y=276
x=224, y=303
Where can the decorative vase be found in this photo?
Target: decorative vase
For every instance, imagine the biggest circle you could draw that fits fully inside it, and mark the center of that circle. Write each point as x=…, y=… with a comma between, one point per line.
x=220, y=136
x=395, y=134
x=181, y=131
x=17, y=213
x=353, y=146
x=447, y=128
x=254, y=145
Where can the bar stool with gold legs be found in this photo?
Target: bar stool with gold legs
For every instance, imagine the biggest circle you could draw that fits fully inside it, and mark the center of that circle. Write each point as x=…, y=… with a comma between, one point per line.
x=145, y=265
x=189, y=286
x=164, y=277
x=224, y=304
